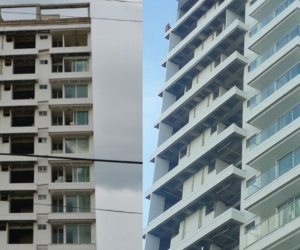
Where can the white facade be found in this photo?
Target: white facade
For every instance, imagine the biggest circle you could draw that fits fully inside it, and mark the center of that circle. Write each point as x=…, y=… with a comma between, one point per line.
x=46, y=108
x=226, y=166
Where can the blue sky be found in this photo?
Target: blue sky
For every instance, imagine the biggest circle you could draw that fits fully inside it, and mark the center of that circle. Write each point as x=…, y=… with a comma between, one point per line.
x=156, y=14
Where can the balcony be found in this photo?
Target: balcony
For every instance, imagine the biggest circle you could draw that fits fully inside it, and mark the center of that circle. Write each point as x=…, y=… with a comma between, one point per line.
x=284, y=165
x=275, y=105
x=18, y=186
x=62, y=187
x=271, y=30
x=228, y=221
x=282, y=225
x=193, y=129
x=231, y=139
x=67, y=247
x=289, y=36
x=259, y=8
x=280, y=123
x=219, y=75
x=267, y=19
x=234, y=32
x=71, y=217
x=274, y=86
x=230, y=178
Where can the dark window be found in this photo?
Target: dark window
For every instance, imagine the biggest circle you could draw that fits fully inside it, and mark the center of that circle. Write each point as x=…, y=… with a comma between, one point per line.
x=7, y=61
x=9, y=38
x=5, y=139
x=249, y=226
x=211, y=166
x=4, y=197
x=43, y=37
x=7, y=87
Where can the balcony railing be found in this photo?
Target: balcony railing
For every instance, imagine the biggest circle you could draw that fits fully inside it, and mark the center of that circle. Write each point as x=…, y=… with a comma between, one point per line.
x=283, y=166
x=274, y=48
x=277, y=220
x=275, y=127
x=273, y=87
x=270, y=17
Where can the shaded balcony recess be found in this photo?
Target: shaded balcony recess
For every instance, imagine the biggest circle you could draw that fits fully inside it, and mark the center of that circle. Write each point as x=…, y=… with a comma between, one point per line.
x=218, y=25
x=24, y=65
x=24, y=40
x=59, y=64
x=25, y=90
x=233, y=42
x=228, y=78
x=21, y=175
x=226, y=235
x=190, y=23
x=22, y=144
x=228, y=113
x=21, y=205
x=23, y=234
x=229, y=151
x=23, y=116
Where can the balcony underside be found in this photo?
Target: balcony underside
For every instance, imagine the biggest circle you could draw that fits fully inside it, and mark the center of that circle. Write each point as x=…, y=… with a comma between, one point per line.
x=226, y=147
x=227, y=112
x=226, y=191
x=261, y=8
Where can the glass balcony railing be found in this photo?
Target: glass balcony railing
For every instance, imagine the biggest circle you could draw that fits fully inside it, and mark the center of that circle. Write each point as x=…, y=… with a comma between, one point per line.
x=283, y=166
x=270, y=17
x=277, y=220
x=274, y=48
x=275, y=127
x=273, y=87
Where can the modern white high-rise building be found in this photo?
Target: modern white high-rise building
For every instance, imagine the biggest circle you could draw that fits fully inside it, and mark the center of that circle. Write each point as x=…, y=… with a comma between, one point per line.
x=56, y=100
x=227, y=172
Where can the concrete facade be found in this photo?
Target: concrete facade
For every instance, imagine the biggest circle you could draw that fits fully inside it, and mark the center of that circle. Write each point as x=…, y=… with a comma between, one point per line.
x=226, y=166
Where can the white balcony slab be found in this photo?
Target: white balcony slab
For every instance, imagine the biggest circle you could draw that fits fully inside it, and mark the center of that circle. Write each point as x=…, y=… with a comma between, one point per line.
x=55, y=187
x=68, y=75
x=18, y=52
x=205, y=81
x=71, y=247
x=19, y=77
x=18, y=130
x=14, y=158
x=53, y=103
x=236, y=25
x=210, y=145
x=18, y=217
x=68, y=217
x=75, y=129
x=275, y=29
x=18, y=247
x=185, y=203
x=226, y=218
x=232, y=93
x=15, y=103
x=18, y=187
x=64, y=50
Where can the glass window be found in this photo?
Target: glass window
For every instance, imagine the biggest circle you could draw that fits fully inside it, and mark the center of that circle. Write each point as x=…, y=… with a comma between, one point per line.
x=81, y=117
x=76, y=91
x=70, y=91
x=58, y=235
x=71, y=203
x=80, y=65
x=79, y=145
x=78, y=203
x=78, y=234
x=82, y=91
x=81, y=174
x=297, y=157
x=84, y=204
x=42, y=227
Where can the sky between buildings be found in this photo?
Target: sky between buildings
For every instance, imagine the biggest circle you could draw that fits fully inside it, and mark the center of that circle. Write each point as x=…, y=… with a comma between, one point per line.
x=156, y=14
